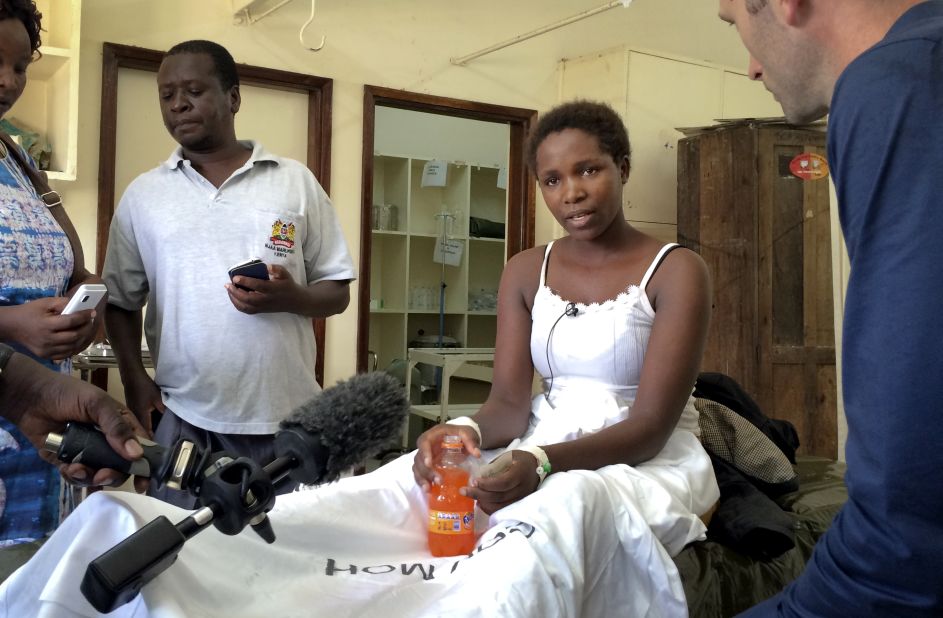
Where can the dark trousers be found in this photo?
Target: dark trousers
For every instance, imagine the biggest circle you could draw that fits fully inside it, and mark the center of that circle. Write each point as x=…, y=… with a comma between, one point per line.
x=259, y=448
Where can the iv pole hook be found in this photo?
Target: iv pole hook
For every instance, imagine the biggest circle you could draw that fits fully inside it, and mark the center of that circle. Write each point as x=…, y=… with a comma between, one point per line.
x=301, y=33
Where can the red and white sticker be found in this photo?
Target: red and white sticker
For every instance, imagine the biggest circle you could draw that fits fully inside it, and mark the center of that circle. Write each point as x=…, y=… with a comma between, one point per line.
x=809, y=166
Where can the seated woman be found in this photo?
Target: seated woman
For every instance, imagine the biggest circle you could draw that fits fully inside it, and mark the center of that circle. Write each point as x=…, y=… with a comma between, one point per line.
x=615, y=323
x=582, y=311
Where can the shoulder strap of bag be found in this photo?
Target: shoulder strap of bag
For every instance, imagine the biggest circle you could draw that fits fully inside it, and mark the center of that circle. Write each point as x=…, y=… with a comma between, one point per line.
x=52, y=199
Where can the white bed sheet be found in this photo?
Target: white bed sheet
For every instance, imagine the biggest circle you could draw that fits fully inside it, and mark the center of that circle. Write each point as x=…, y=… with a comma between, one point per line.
x=587, y=543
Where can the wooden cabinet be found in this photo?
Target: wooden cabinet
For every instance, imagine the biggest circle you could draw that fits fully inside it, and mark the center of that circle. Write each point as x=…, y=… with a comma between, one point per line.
x=50, y=102
x=404, y=279
x=766, y=237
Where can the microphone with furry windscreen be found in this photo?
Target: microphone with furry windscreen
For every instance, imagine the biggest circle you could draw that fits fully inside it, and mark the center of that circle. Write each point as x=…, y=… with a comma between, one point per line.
x=321, y=439
x=352, y=420
x=337, y=429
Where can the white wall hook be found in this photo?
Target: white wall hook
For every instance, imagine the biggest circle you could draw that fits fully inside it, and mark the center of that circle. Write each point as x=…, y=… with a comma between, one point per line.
x=301, y=33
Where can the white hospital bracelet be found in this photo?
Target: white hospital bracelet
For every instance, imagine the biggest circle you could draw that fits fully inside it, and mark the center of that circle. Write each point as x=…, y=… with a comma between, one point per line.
x=468, y=422
x=543, y=462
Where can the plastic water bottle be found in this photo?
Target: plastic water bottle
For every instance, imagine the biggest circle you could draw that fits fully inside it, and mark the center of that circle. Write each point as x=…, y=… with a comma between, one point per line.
x=451, y=515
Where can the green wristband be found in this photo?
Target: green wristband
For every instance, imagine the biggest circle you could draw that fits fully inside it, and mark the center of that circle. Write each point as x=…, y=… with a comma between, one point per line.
x=543, y=462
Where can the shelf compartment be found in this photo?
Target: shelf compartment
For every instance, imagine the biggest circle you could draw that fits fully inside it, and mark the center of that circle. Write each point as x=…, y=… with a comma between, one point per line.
x=482, y=330
x=388, y=270
x=426, y=202
x=428, y=324
x=488, y=201
x=387, y=337
x=424, y=273
x=60, y=23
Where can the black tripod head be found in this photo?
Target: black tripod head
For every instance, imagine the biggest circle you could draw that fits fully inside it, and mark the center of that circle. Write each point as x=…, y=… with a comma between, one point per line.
x=233, y=492
x=318, y=441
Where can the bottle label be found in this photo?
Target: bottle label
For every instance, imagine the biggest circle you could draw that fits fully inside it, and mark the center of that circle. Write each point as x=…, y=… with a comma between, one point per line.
x=451, y=522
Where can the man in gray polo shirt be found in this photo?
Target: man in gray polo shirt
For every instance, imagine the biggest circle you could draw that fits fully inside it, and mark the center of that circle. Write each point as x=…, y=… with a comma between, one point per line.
x=232, y=358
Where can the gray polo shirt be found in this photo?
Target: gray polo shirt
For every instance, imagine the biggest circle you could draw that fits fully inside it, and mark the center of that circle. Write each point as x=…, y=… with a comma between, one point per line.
x=173, y=239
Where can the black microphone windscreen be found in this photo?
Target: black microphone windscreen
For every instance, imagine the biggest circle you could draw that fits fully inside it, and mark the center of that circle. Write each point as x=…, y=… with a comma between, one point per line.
x=352, y=420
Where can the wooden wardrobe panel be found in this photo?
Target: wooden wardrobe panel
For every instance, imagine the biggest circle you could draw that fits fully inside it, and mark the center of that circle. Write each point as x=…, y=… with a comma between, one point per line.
x=765, y=236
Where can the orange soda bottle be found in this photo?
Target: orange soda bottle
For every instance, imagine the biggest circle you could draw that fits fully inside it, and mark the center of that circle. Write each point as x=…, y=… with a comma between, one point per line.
x=451, y=515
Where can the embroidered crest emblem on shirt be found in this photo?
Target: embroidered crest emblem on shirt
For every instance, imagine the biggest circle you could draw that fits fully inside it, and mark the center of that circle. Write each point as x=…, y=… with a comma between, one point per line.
x=283, y=234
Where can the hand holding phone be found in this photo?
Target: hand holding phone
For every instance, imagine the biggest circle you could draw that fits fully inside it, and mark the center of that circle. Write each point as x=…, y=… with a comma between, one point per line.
x=86, y=297
x=254, y=268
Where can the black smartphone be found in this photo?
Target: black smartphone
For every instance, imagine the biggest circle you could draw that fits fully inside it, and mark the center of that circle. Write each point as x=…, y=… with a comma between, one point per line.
x=253, y=268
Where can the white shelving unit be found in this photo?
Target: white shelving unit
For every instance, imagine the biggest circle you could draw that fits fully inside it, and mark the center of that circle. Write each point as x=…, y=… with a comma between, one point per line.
x=402, y=259
x=50, y=102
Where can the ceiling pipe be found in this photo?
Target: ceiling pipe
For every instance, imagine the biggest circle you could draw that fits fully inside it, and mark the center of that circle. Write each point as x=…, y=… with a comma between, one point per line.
x=523, y=37
x=249, y=18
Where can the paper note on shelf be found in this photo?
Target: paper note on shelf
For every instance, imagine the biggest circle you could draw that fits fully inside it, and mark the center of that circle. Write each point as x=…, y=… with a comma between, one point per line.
x=502, y=177
x=448, y=252
x=435, y=173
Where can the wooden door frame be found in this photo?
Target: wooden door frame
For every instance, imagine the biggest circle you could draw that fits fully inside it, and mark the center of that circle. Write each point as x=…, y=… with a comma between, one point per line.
x=521, y=188
x=318, y=89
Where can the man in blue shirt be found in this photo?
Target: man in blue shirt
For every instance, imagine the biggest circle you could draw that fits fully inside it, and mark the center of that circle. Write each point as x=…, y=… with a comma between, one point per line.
x=876, y=67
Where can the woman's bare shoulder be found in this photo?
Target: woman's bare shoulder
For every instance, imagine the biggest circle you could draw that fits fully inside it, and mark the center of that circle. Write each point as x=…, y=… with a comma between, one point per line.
x=522, y=274
x=681, y=274
x=684, y=260
x=527, y=260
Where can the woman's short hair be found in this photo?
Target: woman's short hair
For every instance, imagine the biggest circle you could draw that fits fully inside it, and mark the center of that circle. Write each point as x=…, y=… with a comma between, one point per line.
x=592, y=117
x=29, y=16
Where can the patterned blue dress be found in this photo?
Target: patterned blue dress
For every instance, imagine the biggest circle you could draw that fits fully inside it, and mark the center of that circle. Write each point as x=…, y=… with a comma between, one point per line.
x=36, y=261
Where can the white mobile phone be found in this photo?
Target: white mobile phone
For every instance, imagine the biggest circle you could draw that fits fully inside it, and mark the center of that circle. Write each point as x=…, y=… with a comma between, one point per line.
x=86, y=297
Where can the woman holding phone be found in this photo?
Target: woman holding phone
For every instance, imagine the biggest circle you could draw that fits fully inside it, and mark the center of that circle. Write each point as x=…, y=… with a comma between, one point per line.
x=41, y=266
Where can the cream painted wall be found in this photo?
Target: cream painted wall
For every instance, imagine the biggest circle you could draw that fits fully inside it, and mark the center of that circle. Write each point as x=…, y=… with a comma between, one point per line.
x=841, y=269
x=403, y=44
x=657, y=93
x=407, y=133
x=353, y=56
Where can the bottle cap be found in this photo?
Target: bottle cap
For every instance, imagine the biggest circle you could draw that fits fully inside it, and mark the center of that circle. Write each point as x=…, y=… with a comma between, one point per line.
x=452, y=441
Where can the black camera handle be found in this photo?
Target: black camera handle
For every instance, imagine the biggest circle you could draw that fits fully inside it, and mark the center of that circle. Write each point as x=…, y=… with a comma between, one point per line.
x=238, y=493
x=233, y=493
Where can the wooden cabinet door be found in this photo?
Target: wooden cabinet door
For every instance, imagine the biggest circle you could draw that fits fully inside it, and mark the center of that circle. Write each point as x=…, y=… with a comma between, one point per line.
x=796, y=334
x=717, y=219
x=765, y=236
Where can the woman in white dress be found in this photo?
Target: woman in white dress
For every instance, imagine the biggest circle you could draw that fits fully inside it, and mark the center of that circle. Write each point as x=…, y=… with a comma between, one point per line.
x=611, y=319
